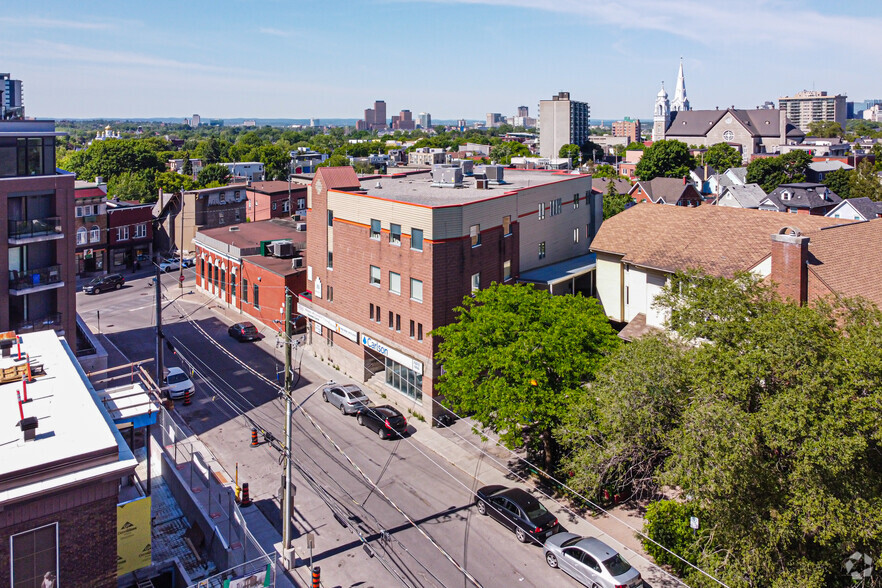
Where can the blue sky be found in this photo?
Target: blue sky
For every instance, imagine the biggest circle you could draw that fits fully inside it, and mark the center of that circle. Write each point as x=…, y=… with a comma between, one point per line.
x=454, y=58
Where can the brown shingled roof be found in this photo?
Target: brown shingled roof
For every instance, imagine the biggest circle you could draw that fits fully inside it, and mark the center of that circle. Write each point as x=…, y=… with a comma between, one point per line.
x=846, y=260
x=338, y=178
x=720, y=240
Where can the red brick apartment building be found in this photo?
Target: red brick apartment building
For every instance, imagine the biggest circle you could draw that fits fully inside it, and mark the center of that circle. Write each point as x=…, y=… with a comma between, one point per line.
x=37, y=236
x=90, y=221
x=274, y=199
x=391, y=257
x=129, y=234
x=241, y=266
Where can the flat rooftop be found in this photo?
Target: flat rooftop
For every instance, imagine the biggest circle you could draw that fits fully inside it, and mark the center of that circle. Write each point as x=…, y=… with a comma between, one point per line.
x=73, y=434
x=418, y=189
x=250, y=235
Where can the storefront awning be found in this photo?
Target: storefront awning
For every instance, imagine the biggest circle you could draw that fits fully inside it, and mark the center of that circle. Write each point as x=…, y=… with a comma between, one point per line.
x=561, y=272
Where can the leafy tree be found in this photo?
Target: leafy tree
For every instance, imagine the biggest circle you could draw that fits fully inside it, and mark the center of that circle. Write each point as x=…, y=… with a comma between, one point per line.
x=508, y=149
x=112, y=157
x=767, y=172
x=335, y=160
x=516, y=358
x=174, y=182
x=209, y=150
x=572, y=151
x=825, y=128
x=591, y=151
x=794, y=165
x=132, y=186
x=635, y=146
x=667, y=159
x=213, y=173
x=722, y=156
x=838, y=181
x=604, y=171
x=613, y=202
x=667, y=523
x=864, y=182
x=187, y=164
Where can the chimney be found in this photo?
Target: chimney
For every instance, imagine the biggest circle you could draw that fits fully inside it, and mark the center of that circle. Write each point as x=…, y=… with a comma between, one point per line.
x=684, y=180
x=782, y=125
x=790, y=264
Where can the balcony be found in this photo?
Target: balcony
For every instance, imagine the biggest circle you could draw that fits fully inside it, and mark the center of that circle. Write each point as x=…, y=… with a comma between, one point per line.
x=50, y=321
x=36, y=280
x=31, y=231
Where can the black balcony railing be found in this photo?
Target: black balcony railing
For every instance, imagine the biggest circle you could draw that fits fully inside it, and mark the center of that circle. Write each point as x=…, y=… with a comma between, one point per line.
x=38, y=227
x=50, y=321
x=26, y=280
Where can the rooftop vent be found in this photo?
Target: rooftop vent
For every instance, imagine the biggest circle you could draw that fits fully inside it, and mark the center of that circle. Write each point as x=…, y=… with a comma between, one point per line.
x=234, y=228
x=29, y=427
x=378, y=186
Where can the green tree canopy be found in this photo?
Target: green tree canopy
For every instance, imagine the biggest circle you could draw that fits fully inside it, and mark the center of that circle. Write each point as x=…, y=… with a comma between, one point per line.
x=516, y=359
x=825, y=128
x=213, y=174
x=335, y=160
x=591, y=151
x=838, y=181
x=508, y=149
x=666, y=159
x=613, y=202
x=771, y=172
x=604, y=171
x=864, y=182
x=112, y=157
x=572, y=151
x=133, y=186
x=175, y=182
x=722, y=156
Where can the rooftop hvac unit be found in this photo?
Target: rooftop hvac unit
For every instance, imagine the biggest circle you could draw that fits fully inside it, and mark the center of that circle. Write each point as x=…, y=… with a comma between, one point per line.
x=467, y=166
x=282, y=248
x=481, y=183
x=296, y=262
x=447, y=176
x=495, y=174
x=301, y=227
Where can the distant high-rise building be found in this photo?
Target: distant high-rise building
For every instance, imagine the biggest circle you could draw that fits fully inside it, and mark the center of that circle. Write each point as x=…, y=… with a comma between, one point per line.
x=195, y=120
x=11, y=101
x=811, y=106
x=374, y=118
x=461, y=124
x=425, y=120
x=562, y=121
x=403, y=121
x=314, y=122
x=523, y=111
x=629, y=128
x=494, y=119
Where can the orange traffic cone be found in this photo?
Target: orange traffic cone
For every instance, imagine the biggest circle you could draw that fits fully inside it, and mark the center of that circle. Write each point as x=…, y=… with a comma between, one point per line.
x=246, y=498
x=254, y=442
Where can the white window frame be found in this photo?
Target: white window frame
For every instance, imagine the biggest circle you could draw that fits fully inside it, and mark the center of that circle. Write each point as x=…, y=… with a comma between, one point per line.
x=375, y=235
x=416, y=290
x=141, y=231
x=395, y=283
x=394, y=234
x=419, y=241
x=575, y=200
x=79, y=211
x=476, y=282
x=506, y=270
x=375, y=276
x=576, y=235
x=556, y=206
x=122, y=233
x=541, y=211
x=82, y=236
x=475, y=235
x=95, y=234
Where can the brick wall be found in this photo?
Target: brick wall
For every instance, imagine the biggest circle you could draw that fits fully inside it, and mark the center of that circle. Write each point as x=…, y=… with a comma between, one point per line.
x=789, y=266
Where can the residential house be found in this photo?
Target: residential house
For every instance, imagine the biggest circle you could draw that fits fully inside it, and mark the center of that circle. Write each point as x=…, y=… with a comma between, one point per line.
x=801, y=198
x=202, y=209
x=671, y=191
x=249, y=171
x=638, y=249
x=601, y=185
x=746, y=196
x=701, y=176
x=818, y=170
x=275, y=199
x=91, y=226
x=177, y=166
x=734, y=176
x=862, y=209
x=129, y=234
x=249, y=267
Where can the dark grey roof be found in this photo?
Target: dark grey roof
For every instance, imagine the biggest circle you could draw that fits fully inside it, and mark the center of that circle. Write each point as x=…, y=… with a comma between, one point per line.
x=761, y=122
x=699, y=171
x=866, y=207
x=600, y=185
x=803, y=195
x=693, y=123
x=666, y=190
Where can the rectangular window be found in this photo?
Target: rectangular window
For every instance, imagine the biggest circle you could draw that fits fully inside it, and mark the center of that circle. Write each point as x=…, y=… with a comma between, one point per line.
x=35, y=557
x=476, y=282
x=233, y=285
x=223, y=282
x=141, y=231
x=237, y=195
x=375, y=276
x=475, y=235
x=556, y=206
x=244, y=290
x=274, y=205
x=330, y=293
x=395, y=234
x=542, y=250
x=419, y=331
x=122, y=233
x=416, y=239
x=416, y=290
x=79, y=212
x=375, y=229
x=94, y=235
x=541, y=211
x=506, y=225
x=395, y=283
x=576, y=235
x=412, y=329
x=372, y=310
x=575, y=201
x=391, y=319
x=398, y=322
x=256, y=297
x=330, y=218
x=506, y=270
x=330, y=260
x=223, y=197
x=379, y=314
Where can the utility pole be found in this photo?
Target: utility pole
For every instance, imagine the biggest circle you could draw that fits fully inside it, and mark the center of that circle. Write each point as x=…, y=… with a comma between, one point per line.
x=158, y=358
x=181, y=248
x=286, y=506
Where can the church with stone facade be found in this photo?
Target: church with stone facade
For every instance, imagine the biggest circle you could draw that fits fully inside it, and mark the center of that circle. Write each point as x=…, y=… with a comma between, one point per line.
x=760, y=130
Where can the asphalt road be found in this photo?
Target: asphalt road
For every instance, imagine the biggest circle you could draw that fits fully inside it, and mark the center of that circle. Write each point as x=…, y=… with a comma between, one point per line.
x=437, y=496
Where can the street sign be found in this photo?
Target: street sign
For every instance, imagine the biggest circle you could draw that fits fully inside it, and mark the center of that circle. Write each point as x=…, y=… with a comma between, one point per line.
x=310, y=540
x=693, y=522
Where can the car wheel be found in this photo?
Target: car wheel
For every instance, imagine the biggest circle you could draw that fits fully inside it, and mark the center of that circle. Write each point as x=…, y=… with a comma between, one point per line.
x=325, y=396
x=551, y=560
x=343, y=409
x=482, y=507
x=118, y=286
x=521, y=535
x=381, y=434
x=360, y=420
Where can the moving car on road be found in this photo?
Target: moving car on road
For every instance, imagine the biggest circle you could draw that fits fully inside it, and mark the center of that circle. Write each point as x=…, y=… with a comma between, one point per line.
x=104, y=283
x=590, y=561
x=519, y=511
x=168, y=265
x=179, y=385
x=244, y=332
x=349, y=399
x=384, y=420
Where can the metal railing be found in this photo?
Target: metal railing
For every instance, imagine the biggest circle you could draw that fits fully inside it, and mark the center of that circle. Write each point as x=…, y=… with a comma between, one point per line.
x=37, y=227
x=27, y=279
x=251, y=573
x=50, y=321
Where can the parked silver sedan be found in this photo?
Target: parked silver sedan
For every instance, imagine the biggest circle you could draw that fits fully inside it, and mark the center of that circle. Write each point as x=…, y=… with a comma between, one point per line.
x=590, y=561
x=349, y=398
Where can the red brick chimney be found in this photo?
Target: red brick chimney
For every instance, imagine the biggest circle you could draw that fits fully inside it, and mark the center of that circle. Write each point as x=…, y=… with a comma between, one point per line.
x=790, y=264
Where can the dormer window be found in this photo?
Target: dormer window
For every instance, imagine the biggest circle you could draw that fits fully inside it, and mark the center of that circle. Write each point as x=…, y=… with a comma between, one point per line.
x=786, y=195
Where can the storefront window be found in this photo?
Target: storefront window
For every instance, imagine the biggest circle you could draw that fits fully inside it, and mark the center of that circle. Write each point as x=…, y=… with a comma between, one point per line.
x=405, y=380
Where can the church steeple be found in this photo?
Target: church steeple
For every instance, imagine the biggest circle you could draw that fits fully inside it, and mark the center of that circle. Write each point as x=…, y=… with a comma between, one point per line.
x=680, y=102
x=661, y=117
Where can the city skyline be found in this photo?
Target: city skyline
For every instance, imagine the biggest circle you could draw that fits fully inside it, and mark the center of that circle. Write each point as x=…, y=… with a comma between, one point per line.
x=111, y=60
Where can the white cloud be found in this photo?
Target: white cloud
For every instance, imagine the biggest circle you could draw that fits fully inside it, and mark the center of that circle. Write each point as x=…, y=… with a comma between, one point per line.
x=275, y=32
x=36, y=22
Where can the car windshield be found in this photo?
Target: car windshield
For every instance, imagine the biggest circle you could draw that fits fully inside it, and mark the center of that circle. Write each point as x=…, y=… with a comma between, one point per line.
x=571, y=541
x=177, y=378
x=95, y=281
x=616, y=565
x=534, y=511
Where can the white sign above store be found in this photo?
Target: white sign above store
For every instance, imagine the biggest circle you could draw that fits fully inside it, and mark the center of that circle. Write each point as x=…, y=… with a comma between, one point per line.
x=408, y=362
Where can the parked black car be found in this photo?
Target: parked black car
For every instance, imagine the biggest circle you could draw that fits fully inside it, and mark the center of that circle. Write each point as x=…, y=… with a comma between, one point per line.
x=519, y=511
x=244, y=332
x=104, y=283
x=384, y=420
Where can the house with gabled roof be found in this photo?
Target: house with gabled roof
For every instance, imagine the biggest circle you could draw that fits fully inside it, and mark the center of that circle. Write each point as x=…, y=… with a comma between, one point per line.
x=857, y=209
x=818, y=170
x=671, y=191
x=746, y=196
x=639, y=249
x=801, y=198
x=734, y=176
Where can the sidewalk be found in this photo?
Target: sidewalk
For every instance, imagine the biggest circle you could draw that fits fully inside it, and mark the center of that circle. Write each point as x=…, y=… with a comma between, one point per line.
x=488, y=463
